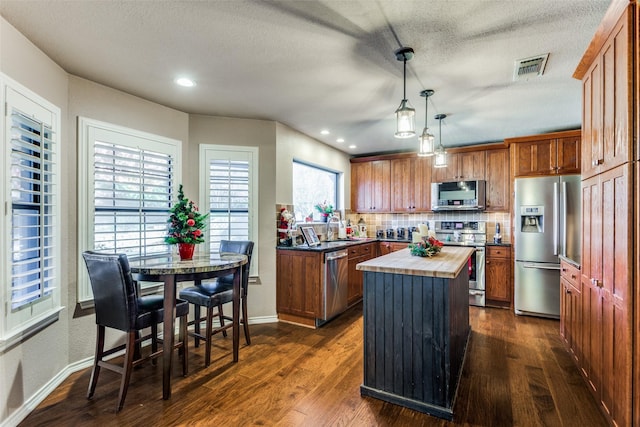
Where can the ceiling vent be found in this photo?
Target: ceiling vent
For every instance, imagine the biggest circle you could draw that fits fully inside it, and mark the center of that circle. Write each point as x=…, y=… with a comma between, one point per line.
x=529, y=67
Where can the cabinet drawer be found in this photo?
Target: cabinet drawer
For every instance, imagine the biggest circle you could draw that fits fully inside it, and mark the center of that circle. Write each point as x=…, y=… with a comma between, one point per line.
x=361, y=250
x=498, y=252
x=570, y=273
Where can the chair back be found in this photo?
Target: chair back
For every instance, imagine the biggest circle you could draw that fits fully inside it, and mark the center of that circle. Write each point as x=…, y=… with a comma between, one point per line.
x=244, y=247
x=114, y=290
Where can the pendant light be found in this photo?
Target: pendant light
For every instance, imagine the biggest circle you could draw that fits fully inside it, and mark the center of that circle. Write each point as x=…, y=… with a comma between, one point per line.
x=405, y=114
x=426, y=139
x=441, y=155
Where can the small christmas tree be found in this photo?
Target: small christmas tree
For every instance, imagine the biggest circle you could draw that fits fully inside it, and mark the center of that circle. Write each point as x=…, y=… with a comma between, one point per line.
x=185, y=222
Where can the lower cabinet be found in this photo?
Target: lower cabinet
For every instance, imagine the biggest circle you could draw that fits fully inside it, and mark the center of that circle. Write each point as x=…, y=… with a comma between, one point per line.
x=358, y=254
x=386, y=248
x=498, y=276
x=571, y=308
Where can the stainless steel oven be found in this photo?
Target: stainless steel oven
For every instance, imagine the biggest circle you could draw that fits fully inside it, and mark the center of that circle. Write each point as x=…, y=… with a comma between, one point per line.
x=468, y=233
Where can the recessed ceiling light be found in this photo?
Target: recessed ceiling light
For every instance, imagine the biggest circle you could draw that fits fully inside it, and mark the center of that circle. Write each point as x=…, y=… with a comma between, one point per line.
x=352, y=146
x=340, y=140
x=324, y=132
x=183, y=81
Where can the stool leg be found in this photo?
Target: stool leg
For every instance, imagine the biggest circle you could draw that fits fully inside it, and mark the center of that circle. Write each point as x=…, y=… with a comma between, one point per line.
x=196, y=324
x=209, y=331
x=127, y=368
x=221, y=318
x=96, y=362
x=245, y=321
x=183, y=337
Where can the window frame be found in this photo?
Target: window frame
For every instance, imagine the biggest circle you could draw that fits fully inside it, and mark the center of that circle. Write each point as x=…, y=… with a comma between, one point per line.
x=338, y=177
x=87, y=128
x=233, y=152
x=27, y=320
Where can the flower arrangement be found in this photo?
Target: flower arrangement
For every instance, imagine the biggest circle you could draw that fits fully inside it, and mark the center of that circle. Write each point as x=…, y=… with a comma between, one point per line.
x=428, y=247
x=325, y=208
x=185, y=222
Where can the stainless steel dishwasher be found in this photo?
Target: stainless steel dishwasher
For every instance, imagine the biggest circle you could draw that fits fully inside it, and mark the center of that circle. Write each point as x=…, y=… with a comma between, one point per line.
x=335, y=285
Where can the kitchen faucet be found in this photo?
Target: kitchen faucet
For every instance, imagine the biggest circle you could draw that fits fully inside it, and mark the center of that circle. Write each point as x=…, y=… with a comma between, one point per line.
x=330, y=232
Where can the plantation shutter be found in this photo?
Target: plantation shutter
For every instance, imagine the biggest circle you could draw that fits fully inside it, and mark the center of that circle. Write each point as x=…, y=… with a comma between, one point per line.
x=32, y=210
x=133, y=192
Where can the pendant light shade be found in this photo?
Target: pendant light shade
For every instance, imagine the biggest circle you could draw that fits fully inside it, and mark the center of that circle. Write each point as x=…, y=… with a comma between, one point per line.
x=425, y=149
x=405, y=114
x=440, y=160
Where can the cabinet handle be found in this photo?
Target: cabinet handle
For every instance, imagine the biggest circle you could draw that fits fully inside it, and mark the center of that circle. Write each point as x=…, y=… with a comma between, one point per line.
x=573, y=276
x=567, y=290
x=596, y=282
x=564, y=270
x=597, y=162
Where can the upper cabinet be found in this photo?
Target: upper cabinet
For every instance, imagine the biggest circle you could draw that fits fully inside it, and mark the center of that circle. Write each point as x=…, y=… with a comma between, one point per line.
x=555, y=153
x=606, y=87
x=497, y=177
x=371, y=186
x=411, y=183
x=467, y=166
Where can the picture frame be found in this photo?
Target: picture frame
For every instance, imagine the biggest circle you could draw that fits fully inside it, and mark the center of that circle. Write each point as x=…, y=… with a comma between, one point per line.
x=310, y=236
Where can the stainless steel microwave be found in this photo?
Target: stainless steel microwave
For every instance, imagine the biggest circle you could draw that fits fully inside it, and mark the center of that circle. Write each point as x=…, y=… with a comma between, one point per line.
x=458, y=196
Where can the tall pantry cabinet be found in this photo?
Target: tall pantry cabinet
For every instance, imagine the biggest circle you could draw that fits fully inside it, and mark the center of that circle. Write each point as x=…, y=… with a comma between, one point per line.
x=609, y=322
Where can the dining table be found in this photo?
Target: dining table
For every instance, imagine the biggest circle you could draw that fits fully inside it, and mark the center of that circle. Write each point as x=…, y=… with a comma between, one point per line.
x=170, y=270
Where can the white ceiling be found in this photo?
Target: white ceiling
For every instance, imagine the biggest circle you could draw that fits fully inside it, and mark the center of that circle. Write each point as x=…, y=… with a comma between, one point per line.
x=330, y=64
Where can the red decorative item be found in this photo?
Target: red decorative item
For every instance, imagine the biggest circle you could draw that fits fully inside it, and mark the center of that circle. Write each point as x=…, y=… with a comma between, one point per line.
x=186, y=251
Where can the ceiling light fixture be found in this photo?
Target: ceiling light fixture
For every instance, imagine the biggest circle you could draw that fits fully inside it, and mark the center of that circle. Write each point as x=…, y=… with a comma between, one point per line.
x=185, y=82
x=441, y=155
x=405, y=114
x=340, y=140
x=426, y=139
x=324, y=132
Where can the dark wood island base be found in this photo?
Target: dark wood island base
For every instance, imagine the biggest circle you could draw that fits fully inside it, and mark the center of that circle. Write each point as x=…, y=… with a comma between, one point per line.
x=416, y=329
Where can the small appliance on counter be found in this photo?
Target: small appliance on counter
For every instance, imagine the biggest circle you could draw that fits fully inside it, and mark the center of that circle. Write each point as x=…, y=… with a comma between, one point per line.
x=380, y=234
x=410, y=232
x=400, y=233
x=390, y=233
x=497, y=238
x=362, y=228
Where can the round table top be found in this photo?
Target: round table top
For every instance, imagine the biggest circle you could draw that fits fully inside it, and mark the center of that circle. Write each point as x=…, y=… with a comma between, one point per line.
x=172, y=264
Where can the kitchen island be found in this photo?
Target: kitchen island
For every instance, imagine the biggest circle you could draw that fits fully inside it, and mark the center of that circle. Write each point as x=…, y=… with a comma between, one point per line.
x=416, y=328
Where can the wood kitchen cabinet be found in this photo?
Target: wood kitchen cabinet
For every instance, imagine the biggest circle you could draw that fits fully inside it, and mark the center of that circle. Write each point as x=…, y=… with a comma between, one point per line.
x=555, y=153
x=358, y=254
x=498, y=183
x=607, y=113
x=371, y=186
x=411, y=184
x=498, y=276
x=467, y=166
x=571, y=309
x=299, y=286
x=386, y=248
x=606, y=323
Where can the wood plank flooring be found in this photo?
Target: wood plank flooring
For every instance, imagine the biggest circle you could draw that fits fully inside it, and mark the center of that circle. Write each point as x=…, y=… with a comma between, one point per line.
x=517, y=373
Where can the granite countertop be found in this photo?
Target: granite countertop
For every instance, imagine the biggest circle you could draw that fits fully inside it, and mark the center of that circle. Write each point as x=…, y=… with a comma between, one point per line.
x=329, y=246
x=497, y=244
x=447, y=264
x=575, y=263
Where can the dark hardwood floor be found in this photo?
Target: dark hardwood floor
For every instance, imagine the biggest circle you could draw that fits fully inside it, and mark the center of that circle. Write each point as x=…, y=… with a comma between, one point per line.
x=517, y=373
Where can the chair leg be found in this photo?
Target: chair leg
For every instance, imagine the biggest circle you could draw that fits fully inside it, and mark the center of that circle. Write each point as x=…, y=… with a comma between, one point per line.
x=127, y=368
x=221, y=319
x=137, y=354
x=185, y=345
x=245, y=321
x=154, y=341
x=196, y=324
x=209, y=331
x=97, y=358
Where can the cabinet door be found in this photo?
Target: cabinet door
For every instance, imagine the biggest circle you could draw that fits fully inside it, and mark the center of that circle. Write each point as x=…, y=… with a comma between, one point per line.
x=568, y=155
x=498, y=184
x=380, y=186
x=498, y=274
x=448, y=173
x=471, y=165
x=298, y=283
x=422, y=185
x=354, y=291
x=361, y=187
x=534, y=158
x=591, y=146
x=402, y=184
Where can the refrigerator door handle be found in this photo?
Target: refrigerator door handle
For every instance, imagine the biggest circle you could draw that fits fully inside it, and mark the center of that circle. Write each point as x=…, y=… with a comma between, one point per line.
x=556, y=218
x=564, y=218
x=541, y=266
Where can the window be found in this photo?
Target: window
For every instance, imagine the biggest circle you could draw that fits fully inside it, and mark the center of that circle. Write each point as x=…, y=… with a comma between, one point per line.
x=30, y=258
x=312, y=185
x=130, y=178
x=230, y=195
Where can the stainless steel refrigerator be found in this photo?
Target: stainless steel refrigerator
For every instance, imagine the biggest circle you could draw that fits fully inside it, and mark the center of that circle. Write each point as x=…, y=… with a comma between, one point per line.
x=547, y=224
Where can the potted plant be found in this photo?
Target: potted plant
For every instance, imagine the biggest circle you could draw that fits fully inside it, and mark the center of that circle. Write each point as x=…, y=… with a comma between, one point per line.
x=325, y=210
x=185, y=226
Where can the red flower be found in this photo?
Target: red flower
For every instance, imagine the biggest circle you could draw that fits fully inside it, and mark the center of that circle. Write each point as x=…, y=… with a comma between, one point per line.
x=197, y=233
x=191, y=222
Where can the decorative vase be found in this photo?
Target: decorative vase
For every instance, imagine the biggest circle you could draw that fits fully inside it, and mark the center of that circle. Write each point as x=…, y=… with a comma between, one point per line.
x=324, y=217
x=186, y=250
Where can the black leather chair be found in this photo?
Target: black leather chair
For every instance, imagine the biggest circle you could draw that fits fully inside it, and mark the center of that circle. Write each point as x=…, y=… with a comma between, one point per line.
x=216, y=293
x=119, y=306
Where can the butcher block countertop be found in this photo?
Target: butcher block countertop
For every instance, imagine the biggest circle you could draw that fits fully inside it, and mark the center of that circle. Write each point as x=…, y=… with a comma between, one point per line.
x=446, y=264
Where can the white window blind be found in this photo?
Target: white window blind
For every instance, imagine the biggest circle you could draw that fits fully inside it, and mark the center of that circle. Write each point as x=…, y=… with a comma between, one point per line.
x=133, y=190
x=231, y=195
x=33, y=210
